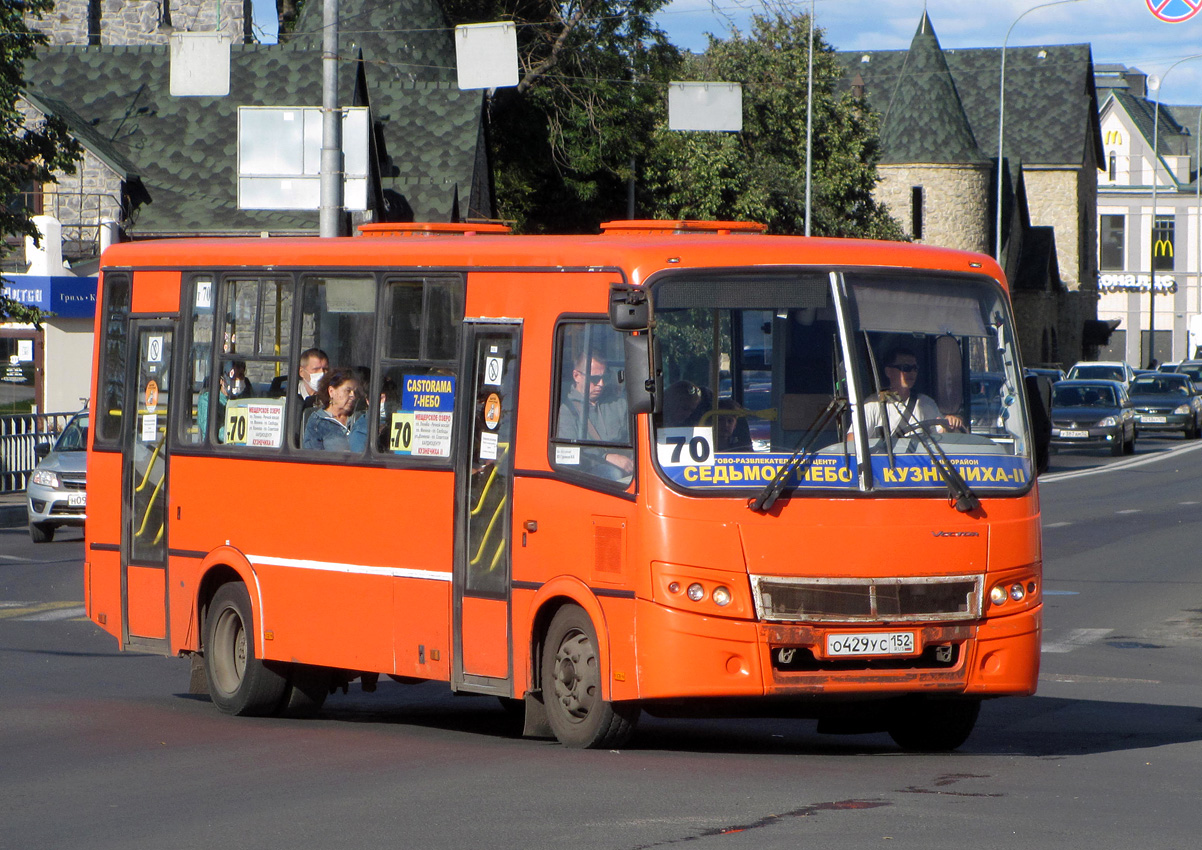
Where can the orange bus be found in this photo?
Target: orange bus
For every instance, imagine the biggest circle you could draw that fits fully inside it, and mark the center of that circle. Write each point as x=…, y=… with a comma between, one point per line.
x=673, y=467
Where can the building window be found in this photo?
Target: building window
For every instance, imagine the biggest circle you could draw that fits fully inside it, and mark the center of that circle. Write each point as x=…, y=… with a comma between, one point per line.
x=1111, y=238
x=916, y=211
x=1162, y=242
x=1112, y=167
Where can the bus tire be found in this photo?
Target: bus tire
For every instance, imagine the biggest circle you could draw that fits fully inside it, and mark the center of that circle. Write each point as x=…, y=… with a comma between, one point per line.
x=571, y=682
x=933, y=725
x=239, y=683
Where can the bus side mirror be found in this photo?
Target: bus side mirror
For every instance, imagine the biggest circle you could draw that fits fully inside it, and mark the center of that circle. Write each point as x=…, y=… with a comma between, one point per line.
x=629, y=309
x=641, y=395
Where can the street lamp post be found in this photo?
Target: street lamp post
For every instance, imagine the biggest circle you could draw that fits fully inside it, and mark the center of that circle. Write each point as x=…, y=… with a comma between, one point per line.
x=1156, y=85
x=809, y=115
x=1001, y=120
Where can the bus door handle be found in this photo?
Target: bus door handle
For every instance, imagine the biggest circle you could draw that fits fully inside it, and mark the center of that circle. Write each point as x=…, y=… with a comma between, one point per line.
x=530, y=526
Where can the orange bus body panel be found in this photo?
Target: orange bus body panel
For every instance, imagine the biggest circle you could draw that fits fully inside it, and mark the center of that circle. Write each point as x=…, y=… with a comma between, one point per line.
x=147, y=592
x=156, y=292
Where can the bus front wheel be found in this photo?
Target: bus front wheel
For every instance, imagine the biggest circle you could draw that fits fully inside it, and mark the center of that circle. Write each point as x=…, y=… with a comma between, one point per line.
x=921, y=725
x=239, y=683
x=571, y=681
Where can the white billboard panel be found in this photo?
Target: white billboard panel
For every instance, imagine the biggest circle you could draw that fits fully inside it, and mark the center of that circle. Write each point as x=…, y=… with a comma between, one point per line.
x=486, y=55
x=279, y=157
x=200, y=64
x=705, y=106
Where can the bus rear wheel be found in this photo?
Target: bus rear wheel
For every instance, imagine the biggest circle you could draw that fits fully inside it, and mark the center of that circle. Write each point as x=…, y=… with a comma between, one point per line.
x=921, y=725
x=571, y=682
x=239, y=683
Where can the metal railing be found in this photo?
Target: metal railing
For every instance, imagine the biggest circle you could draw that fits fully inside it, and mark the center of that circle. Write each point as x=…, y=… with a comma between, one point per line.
x=81, y=215
x=19, y=435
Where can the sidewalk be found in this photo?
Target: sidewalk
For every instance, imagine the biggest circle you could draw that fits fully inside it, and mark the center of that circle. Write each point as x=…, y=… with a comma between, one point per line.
x=12, y=510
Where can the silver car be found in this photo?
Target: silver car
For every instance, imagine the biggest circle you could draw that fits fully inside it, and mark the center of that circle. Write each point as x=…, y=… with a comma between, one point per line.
x=56, y=490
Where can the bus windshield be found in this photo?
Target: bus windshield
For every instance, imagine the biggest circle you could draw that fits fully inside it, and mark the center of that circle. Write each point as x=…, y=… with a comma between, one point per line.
x=856, y=381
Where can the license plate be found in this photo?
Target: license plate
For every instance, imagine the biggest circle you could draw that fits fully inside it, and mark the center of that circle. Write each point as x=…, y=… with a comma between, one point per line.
x=1154, y=420
x=77, y=500
x=870, y=643
x=1074, y=435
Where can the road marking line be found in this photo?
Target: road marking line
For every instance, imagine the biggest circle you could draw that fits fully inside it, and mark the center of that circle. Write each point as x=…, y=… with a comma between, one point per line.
x=1115, y=467
x=1131, y=511
x=39, y=610
x=1056, y=524
x=75, y=613
x=1189, y=503
x=16, y=558
x=1076, y=639
x=1095, y=680
x=1047, y=592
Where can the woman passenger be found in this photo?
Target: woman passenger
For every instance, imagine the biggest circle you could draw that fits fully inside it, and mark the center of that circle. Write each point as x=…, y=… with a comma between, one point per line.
x=329, y=426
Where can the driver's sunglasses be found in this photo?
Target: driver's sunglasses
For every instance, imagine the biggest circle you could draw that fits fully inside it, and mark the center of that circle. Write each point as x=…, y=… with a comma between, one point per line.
x=593, y=379
x=905, y=367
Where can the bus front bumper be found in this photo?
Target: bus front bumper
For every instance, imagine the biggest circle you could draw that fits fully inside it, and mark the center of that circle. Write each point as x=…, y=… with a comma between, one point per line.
x=687, y=655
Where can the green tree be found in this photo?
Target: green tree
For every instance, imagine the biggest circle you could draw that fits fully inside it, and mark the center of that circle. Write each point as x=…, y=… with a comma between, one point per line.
x=759, y=173
x=29, y=153
x=591, y=87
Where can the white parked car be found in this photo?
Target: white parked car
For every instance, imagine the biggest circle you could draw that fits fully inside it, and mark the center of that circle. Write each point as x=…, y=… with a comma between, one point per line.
x=1102, y=370
x=56, y=491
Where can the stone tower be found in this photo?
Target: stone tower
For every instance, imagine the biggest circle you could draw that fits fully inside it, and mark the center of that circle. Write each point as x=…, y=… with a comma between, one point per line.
x=934, y=177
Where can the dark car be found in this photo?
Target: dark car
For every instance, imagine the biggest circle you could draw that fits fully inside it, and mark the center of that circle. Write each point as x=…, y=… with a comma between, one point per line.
x=1167, y=402
x=1048, y=372
x=1093, y=414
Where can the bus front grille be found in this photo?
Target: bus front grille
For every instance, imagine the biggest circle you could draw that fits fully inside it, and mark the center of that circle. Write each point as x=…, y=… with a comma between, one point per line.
x=864, y=600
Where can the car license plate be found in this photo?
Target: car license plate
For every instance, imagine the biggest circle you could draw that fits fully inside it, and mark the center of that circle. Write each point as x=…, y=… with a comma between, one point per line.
x=1074, y=435
x=870, y=643
x=77, y=500
x=1154, y=420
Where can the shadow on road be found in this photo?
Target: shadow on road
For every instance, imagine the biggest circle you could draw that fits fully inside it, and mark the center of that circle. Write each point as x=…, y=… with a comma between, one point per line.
x=1036, y=726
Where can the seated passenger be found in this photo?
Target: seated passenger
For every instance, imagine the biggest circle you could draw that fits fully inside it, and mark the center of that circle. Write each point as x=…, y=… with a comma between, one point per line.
x=329, y=426
x=683, y=404
x=731, y=432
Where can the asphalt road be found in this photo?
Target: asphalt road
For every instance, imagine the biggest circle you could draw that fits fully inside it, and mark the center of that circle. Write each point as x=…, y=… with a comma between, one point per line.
x=107, y=750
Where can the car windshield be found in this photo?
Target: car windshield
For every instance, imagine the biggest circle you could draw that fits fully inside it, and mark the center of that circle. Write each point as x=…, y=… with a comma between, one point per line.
x=1098, y=373
x=1194, y=372
x=1088, y=396
x=1159, y=386
x=755, y=366
x=74, y=437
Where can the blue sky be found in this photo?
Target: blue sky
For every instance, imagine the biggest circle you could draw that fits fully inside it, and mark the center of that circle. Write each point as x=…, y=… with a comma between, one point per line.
x=1121, y=31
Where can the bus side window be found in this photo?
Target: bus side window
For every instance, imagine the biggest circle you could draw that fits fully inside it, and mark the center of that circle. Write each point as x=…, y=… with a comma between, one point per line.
x=254, y=352
x=200, y=361
x=591, y=428
x=110, y=376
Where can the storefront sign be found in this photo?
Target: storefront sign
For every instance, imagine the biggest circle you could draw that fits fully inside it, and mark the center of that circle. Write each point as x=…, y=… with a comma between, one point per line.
x=1165, y=284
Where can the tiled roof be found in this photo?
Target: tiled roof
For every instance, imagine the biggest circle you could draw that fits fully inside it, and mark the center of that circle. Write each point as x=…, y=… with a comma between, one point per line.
x=1051, y=106
x=185, y=149
x=924, y=121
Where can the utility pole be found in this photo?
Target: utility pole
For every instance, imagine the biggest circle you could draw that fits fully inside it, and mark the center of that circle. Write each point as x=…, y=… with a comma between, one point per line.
x=331, y=125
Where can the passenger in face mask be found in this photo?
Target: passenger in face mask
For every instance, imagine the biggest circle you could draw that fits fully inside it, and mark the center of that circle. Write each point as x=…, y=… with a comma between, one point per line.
x=312, y=369
x=233, y=380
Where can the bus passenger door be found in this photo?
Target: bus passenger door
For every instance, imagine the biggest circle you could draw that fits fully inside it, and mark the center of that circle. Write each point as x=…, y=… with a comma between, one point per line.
x=483, y=645
x=144, y=489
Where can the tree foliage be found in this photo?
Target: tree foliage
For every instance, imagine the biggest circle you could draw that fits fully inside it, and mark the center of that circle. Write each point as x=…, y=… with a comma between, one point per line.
x=759, y=173
x=591, y=87
x=29, y=154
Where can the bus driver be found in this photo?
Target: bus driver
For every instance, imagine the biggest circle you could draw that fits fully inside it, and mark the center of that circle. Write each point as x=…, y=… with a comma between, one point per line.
x=607, y=419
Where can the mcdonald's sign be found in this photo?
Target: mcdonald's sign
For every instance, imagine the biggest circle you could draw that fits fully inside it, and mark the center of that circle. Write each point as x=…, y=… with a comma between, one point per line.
x=1163, y=248
x=1114, y=137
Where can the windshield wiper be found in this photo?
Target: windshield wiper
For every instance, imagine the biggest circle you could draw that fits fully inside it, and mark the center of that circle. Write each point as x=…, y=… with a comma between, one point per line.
x=772, y=490
x=960, y=494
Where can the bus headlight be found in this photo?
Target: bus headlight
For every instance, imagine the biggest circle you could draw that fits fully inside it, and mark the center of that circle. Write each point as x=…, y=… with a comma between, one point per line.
x=998, y=595
x=721, y=596
x=696, y=592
